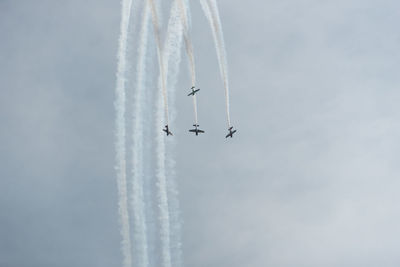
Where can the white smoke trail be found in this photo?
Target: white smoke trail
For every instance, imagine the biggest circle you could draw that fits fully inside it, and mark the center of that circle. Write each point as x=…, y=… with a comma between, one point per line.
x=163, y=204
x=183, y=8
x=167, y=192
x=160, y=58
x=170, y=224
x=120, y=103
x=162, y=191
x=172, y=59
x=141, y=250
x=188, y=41
x=210, y=9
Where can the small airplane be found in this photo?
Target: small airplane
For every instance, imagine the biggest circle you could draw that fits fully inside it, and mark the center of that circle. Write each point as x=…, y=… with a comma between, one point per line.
x=196, y=129
x=194, y=91
x=167, y=130
x=230, y=134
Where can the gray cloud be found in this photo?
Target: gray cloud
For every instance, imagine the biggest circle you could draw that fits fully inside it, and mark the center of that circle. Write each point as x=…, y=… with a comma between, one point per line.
x=310, y=179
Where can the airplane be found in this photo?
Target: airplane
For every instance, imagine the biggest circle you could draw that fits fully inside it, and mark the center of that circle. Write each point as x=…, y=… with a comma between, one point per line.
x=230, y=134
x=194, y=91
x=196, y=130
x=167, y=130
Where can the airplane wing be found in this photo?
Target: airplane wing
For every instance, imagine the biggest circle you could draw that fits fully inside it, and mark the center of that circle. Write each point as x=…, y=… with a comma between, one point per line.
x=200, y=131
x=230, y=134
x=192, y=131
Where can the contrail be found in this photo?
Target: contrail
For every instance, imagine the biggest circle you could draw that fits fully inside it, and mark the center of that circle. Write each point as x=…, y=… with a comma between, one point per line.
x=141, y=249
x=120, y=126
x=210, y=9
x=160, y=58
x=183, y=8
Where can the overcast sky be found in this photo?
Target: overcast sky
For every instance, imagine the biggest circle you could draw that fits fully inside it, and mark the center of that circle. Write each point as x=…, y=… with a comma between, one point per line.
x=310, y=179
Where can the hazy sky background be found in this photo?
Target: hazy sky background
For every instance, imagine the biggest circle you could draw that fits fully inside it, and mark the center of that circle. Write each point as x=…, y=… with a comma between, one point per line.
x=310, y=179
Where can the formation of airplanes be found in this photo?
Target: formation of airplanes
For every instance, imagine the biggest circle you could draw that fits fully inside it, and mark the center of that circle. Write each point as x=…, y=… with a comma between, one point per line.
x=196, y=129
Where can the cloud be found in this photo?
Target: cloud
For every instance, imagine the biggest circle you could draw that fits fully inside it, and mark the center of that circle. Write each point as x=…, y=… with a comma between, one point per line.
x=309, y=180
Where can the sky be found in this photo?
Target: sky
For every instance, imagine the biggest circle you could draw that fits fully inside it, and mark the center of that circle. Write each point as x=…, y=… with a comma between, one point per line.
x=310, y=179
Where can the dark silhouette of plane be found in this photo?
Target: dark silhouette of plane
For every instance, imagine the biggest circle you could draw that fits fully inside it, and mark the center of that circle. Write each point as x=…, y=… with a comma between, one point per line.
x=194, y=91
x=166, y=130
x=196, y=129
x=230, y=134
